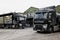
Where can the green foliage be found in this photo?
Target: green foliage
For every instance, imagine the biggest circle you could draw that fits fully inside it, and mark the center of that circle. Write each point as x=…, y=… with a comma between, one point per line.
x=31, y=10
x=58, y=8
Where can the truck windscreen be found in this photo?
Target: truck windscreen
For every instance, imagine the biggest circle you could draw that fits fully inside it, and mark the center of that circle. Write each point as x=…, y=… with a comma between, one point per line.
x=41, y=15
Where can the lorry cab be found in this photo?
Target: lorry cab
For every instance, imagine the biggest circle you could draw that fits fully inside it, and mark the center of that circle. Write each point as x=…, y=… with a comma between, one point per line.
x=45, y=20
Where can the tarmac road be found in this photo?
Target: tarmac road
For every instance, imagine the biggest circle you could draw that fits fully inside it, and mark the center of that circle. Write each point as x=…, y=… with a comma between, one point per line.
x=26, y=34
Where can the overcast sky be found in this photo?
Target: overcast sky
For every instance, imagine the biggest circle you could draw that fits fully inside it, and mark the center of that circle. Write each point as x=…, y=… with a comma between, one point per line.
x=22, y=5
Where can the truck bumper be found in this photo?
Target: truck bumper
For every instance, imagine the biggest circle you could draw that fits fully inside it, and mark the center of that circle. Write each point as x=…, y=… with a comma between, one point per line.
x=39, y=28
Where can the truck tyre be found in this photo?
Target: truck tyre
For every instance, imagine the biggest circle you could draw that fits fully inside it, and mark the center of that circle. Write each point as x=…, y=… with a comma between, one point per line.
x=51, y=29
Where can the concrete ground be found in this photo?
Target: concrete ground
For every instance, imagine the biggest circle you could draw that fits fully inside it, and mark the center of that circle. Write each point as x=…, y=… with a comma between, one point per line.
x=26, y=34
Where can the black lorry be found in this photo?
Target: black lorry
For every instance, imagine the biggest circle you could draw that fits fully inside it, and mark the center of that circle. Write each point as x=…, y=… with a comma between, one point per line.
x=46, y=20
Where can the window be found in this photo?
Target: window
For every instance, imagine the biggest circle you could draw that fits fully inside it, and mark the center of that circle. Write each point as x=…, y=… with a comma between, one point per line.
x=41, y=15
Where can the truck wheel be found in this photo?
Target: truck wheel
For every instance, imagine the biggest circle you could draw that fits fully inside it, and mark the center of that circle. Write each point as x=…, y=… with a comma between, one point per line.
x=51, y=29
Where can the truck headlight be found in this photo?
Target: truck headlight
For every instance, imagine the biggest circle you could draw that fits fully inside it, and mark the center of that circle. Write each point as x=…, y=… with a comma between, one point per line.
x=45, y=26
x=20, y=24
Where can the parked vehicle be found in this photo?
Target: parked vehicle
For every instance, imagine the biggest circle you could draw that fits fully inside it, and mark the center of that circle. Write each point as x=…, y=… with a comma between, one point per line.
x=13, y=20
x=46, y=20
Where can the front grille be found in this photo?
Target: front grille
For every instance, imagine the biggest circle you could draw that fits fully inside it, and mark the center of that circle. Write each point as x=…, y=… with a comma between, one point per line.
x=39, y=27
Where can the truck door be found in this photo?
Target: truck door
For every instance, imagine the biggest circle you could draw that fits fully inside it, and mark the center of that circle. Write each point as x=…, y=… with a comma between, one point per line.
x=53, y=17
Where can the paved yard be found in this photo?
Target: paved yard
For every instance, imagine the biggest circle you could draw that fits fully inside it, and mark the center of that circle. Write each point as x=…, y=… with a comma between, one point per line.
x=26, y=34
